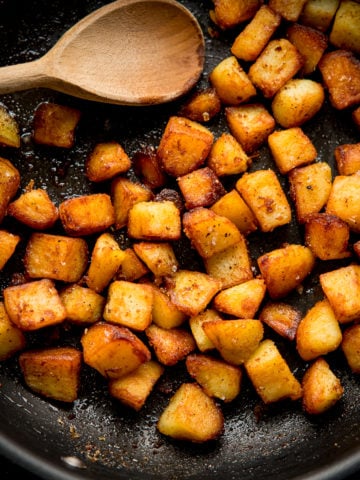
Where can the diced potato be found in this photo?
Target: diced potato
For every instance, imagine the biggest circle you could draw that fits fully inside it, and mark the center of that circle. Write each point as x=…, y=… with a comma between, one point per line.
x=124, y=194
x=191, y=291
x=147, y=167
x=288, y=9
x=55, y=124
x=232, y=206
x=278, y=62
x=345, y=32
x=200, y=188
x=171, y=345
x=56, y=256
x=196, y=322
x=112, y=350
x=34, y=305
x=8, y=242
x=154, y=221
x=327, y=236
x=310, y=188
x=202, y=106
x=227, y=13
x=340, y=71
x=319, y=14
x=106, y=259
x=321, y=388
x=134, y=388
x=263, y=193
x=297, y=102
x=82, y=305
x=282, y=317
x=291, y=148
x=191, y=415
x=164, y=313
x=9, y=128
x=12, y=339
x=217, y=378
x=250, y=124
x=342, y=288
x=35, y=209
x=208, y=232
x=253, y=38
x=231, y=82
x=131, y=268
x=350, y=346
x=318, y=332
x=227, y=156
x=235, y=339
x=87, y=214
x=344, y=199
x=243, y=300
x=129, y=304
x=158, y=257
x=184, y=146
x=347, y=157
x=105, y=161
x=53, y=372
x=270, y=374
x=9, y=184
x=285, y=268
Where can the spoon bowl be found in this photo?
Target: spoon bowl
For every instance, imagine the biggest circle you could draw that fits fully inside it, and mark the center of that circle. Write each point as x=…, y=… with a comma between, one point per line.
x=129, y=52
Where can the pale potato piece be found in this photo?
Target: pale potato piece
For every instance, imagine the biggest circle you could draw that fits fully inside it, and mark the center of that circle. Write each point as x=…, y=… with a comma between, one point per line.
x=12, y=339
x=350, y=346
x=196, y=322
x=164, y=313
x=344, y=198
x=83, y=306
x=243, y=300
x=288, y=9
x=8, y=242
x=345, y=32
x=319, y=14
x=227, y=156
x=158, y=257
x=9, y=128
x=9, y=184
x=131, y=268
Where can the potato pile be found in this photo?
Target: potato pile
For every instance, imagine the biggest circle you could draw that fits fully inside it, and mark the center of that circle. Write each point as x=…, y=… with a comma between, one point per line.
x=140, y=312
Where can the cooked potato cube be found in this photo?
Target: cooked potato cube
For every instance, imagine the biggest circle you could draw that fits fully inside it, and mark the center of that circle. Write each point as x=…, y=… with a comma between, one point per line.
x=283, y=318
x=112, y=350
x=284, y=269
x=231, y=82
x=164, y=313
x=12, y=339
x=250, y=124
x=297, y=101
x=191, y=291
x=129, y=304
x=87, y=214
x=347, y=157
x=158, y=257
x=56, y=256
x=170, y=344
x=191, y=415
x=345, y=32
x=342, y=288
x=351, y=347
x=35, y=209
x=8, y=242
x=147, y=167
x=290, y=10
x=318, y=332
x=253, y=38
x=105, y=161
x=131, y=268
x=217, y=378
x=200, y=188
x=321, y=388
x=184, y=146
x=340, y=71
x=235, y=339
x=310, y=188
x=228, y=14
x=327, y=236
x=278, y=62
x=243, y=300
x=319, y=14
x=55, y=125
x=344, y=199
x=34, y=305
x=53, y=372
x=82, y=305
x=202, y=106
x=124, y=194
x=291, y=148
x=270, y=374
x=263, y=193
x=227, y=156
x=134, y=388
x=9, y=128
x=196, y=322
x=9, y=184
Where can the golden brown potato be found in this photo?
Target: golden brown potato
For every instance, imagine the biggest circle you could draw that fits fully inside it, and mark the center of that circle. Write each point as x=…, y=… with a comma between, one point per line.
x=148, y=169
x=158, y=257
x=9, y=184
x=9, y=128
x=106, y=160
x=282, y=317
x=347, y=157
x=227, y=157
x=196, y=322
x=350, y=346
x=288, y=9
x=8, y=242
x=344, y=199
x=164, y=313
x=12, y=339
x=200, y=188
x=53, y=372
x=345, y=32
x=228, y=14
x=131, y=268
x=319, y=14
x=83, y=306
x=112, y=350
x=202, y=106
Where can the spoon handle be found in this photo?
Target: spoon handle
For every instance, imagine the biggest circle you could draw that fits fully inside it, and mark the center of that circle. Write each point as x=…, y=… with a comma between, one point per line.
x=22, y=76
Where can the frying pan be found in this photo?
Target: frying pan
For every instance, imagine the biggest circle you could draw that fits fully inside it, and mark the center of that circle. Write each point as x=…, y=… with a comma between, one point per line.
x=96, y=437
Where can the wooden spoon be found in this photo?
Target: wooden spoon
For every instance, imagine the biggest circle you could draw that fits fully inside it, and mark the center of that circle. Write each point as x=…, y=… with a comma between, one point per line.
x=129, y=52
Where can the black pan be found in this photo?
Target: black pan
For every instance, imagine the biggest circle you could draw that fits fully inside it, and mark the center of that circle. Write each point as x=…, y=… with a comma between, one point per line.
x=96, y=437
